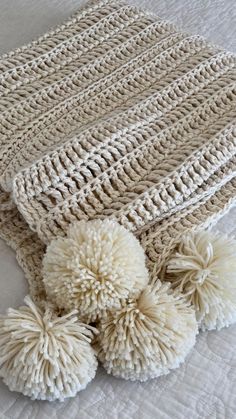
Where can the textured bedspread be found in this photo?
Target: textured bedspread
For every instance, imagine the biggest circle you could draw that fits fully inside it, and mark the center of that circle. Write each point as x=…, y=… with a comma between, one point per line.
x=204, y=387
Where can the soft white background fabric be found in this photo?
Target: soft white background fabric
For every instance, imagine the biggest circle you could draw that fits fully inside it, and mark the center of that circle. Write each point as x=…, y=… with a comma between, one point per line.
x=204, y=387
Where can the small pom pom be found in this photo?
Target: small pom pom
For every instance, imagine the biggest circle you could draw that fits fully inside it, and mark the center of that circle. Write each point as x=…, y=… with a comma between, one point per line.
x=148, y=336
x=203, y=268
x=94, y=267
x=44, y=356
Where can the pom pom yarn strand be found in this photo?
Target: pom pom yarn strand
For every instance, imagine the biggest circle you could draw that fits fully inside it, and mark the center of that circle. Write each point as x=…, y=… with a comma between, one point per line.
x=44, y=356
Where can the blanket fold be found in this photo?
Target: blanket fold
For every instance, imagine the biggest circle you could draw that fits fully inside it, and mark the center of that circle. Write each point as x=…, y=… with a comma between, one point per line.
x=114, y=114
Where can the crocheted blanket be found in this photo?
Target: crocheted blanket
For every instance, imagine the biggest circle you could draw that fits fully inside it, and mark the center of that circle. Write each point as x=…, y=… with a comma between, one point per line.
x=114, y=114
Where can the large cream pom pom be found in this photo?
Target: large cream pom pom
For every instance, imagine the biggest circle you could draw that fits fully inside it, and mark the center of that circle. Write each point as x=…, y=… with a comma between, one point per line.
x=94, y=267
x=44, y=356
x=203, y=268
x=148, y=336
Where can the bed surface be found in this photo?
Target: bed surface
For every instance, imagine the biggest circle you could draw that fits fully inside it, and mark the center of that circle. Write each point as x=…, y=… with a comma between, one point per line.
x=204, y=387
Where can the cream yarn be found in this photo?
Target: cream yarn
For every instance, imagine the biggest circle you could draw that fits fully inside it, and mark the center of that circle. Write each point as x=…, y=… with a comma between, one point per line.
x=114, y=115
x=97, y=265
x=148, y=336
x=203, y=268
x=44, y=356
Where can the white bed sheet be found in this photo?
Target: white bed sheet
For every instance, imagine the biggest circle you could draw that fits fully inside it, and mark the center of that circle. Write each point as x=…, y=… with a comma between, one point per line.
x=204, y=387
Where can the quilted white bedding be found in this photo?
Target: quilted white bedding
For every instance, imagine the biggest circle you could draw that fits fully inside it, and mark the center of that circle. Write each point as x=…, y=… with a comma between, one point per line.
x=204, y=387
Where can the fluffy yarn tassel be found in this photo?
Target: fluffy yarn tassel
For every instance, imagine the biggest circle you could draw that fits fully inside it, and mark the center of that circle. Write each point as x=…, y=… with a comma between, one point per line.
x=148, y=336
x=203, y=268
x=94, y=267
x=43, y=356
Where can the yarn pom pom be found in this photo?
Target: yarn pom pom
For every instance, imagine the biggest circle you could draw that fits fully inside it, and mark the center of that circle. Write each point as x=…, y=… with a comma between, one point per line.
x=203, y=268
x=94, y=267
x=43, y=356
x=148, y=336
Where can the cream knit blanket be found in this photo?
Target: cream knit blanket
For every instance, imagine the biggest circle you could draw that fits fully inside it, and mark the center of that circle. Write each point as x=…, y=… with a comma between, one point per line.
x=114, y=114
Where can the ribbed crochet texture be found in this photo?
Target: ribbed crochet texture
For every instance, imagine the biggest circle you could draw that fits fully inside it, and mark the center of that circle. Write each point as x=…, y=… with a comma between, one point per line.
x=114, y=114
